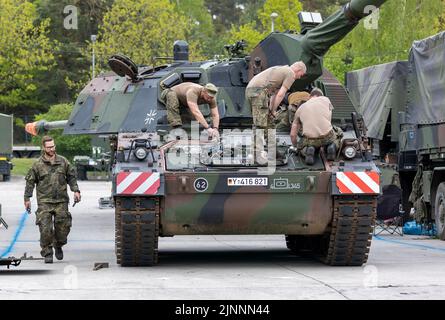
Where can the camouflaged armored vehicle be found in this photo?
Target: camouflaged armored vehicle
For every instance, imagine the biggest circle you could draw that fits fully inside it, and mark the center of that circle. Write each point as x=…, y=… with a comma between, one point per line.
x=165, y=186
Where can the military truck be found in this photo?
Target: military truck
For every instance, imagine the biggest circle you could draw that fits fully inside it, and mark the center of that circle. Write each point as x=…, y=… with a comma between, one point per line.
x=180, y=183
x=5, y=146
x=402, y=104
x=98, y=162
x=379, y=93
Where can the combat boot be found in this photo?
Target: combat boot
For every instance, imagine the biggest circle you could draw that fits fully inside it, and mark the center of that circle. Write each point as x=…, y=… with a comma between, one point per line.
x=49, y=259
x=331, y=151
x=58, y=253
x=309, y=155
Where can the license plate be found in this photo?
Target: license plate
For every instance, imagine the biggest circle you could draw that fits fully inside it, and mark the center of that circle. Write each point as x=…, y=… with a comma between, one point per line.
x=239, y=182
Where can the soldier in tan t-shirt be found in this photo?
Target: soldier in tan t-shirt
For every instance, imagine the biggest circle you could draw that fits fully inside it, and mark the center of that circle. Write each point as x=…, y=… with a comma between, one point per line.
x=265, y=92
x=313, y=121
x=189, y=94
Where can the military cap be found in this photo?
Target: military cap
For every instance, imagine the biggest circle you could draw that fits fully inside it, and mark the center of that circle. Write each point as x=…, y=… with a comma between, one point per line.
x=211, y=89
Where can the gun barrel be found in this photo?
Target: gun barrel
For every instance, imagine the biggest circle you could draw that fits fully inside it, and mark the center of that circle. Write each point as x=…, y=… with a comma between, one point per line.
x=320, y=39
x=43, y=126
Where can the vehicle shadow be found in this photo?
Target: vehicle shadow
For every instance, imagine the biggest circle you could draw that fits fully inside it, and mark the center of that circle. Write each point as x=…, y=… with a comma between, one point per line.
x=263, y=257
x=19, y=272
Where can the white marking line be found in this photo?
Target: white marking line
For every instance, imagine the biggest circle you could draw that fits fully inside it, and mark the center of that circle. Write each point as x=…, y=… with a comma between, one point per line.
x=147, y=183
x=348, y=183
x=368, y=181
x=127, y=181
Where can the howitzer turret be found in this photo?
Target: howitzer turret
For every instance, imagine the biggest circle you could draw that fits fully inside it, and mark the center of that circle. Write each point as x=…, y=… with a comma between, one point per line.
x=43, y=126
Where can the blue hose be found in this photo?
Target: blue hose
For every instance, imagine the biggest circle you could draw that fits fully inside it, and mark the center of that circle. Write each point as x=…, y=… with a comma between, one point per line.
x=16, y=235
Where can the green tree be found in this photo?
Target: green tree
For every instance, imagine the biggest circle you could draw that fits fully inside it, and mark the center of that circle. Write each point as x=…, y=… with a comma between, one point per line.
x=25, y=55
x=224, y=13
x=253, y=32
x=72, y=70
x=400, y=23
x=67, y=145
x=325, y=7
x=439, y=24
x=201, y=28
x=142, y=29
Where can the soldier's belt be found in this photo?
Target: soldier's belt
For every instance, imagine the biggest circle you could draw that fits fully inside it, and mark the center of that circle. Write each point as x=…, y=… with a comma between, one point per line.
x=327, y=135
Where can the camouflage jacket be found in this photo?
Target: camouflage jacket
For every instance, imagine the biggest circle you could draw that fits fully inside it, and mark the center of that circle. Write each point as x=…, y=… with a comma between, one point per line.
x=51, y=180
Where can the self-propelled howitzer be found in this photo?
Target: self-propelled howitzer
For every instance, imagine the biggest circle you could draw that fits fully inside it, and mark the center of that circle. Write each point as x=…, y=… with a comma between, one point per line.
x=163, y=186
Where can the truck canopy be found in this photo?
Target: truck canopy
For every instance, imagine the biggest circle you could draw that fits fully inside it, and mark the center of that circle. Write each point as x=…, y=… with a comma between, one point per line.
x=5, y=134
x=426, y=81
x=376, y=91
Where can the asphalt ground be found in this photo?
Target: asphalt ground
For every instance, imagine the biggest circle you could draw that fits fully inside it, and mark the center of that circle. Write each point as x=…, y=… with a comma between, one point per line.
x=206, y=267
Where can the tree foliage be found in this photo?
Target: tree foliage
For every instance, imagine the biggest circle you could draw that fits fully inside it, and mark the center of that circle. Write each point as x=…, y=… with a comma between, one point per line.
x=201, y=29
x=254, y=32
x=142, y=29
x=73, y=62
x=325, y=7
x=400, y=23
x=25, y=54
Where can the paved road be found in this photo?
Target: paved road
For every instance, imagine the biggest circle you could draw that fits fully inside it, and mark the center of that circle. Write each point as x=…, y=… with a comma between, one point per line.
x=208, y=267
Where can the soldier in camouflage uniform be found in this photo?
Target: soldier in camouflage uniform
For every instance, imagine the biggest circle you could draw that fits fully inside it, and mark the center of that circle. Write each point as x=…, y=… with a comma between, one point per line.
x=264, y=93
x=312, y=123
x=286, y=116
x=189, y=94
x=51, y=173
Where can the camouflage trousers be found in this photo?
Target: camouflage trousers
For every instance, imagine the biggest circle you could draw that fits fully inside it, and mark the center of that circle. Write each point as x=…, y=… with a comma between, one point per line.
x=258, y=99
x=334, y=136
x=170, y=98
x=284, y=119
x=54, y=223
x=259, y=103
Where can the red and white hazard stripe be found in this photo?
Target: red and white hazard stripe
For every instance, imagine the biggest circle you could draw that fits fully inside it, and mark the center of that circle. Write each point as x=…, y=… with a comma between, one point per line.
x=358, y=182
x=138, y=182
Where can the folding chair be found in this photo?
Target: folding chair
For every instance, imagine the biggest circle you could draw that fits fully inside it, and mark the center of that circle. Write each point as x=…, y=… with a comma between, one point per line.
x=389, y=211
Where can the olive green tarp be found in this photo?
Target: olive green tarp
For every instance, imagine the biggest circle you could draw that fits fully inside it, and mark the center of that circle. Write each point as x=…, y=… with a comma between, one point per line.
x=426, y=81
x=416, y=86
x=377, y=90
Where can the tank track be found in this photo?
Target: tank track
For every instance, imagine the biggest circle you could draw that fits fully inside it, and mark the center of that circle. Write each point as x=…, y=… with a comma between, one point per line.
x=137, y=230
x=350, y=239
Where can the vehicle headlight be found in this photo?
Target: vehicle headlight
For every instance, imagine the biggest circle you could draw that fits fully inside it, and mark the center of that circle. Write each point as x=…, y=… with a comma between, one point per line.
x=350, y=152
x=140, y=153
